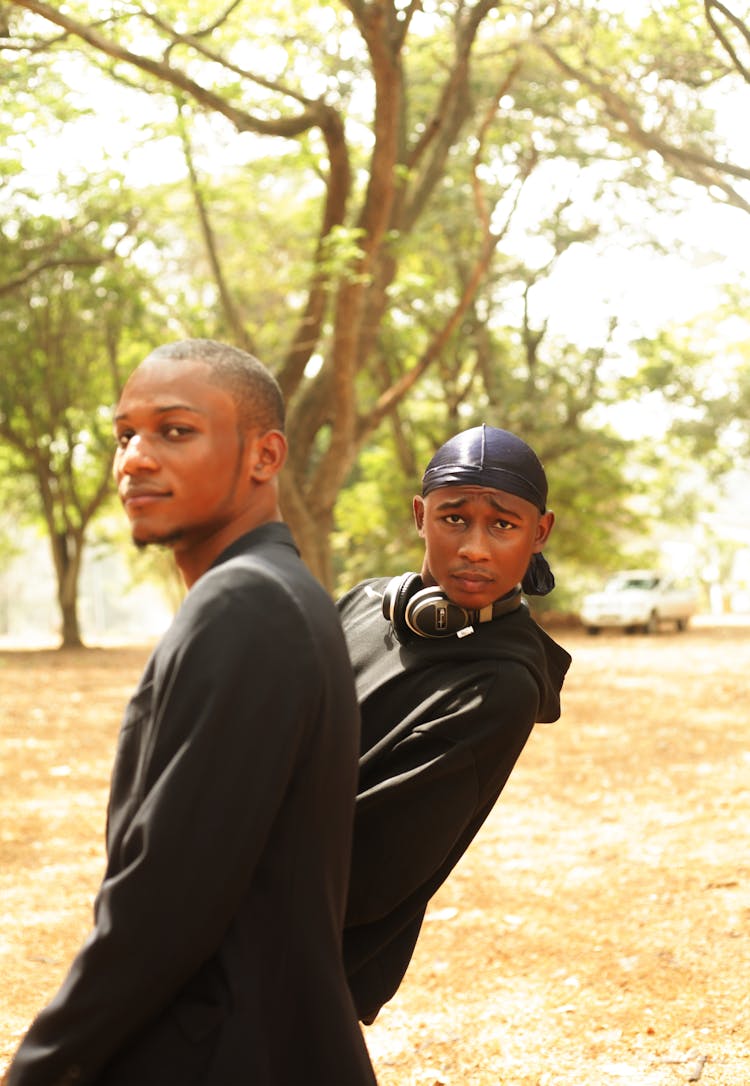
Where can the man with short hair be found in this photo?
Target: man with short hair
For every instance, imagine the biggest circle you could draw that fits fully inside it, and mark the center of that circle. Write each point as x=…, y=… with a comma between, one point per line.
x=451, y=674
x=215, y=956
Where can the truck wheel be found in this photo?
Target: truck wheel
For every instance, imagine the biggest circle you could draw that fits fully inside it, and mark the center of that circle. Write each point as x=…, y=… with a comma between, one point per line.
x=592, y=631
x=681, y=624
x=652, y=626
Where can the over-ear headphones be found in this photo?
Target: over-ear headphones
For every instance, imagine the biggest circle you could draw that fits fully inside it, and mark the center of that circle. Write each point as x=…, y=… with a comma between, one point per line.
x=428, y=612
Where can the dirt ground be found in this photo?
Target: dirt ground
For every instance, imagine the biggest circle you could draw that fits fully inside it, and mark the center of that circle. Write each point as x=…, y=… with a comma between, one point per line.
x=597, y=933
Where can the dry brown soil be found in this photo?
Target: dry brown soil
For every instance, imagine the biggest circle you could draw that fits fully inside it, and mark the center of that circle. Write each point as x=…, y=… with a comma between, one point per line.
x=597, y=933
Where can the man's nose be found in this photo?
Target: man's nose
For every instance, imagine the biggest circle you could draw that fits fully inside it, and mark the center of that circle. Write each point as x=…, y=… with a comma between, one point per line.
x=475, y=544
x=134, y=457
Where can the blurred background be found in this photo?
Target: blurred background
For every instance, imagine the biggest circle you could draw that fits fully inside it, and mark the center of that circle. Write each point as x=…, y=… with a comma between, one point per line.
x=420, y=217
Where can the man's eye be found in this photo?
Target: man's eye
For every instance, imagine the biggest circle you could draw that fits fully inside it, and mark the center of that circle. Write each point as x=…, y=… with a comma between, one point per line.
x=123, y=438
x=504, y=525
x=175, y=432
x=453, y=518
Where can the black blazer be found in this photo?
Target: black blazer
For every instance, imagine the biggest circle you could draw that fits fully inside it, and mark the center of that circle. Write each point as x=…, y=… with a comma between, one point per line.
x=215, y=957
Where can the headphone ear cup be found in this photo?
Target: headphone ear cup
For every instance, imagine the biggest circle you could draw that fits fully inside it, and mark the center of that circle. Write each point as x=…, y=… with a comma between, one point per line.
x=429, y=613
x=398, y=592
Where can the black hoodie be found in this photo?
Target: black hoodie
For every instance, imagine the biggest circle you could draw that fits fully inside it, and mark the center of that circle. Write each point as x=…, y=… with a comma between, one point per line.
x=443, y=723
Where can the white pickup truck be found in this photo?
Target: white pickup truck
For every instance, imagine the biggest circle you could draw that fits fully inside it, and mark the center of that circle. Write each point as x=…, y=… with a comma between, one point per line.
x=639, y=600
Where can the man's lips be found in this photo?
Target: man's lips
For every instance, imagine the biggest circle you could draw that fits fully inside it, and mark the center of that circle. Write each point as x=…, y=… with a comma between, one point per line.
x=134, y=496
x=470, y=580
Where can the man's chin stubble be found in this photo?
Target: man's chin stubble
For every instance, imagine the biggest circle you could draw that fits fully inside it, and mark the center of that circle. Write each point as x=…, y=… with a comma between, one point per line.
x=159, y=541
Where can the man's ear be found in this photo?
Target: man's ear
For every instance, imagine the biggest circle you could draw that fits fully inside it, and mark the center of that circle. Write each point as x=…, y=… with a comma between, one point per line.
x=543, y=529
x=418, y=507
x=268, y=455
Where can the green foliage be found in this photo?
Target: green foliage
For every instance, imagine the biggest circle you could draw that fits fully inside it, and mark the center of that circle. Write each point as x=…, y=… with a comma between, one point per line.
x=61, y=366
x=700, y=374
x=375, y=534
x=285, y=132
x=72, y=315
x=18, y=501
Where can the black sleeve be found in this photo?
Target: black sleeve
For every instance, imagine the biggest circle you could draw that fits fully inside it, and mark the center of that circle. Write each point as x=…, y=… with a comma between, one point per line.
x=423, y=800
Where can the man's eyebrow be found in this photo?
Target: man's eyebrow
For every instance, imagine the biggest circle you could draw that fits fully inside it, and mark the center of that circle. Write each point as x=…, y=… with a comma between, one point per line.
x=165, y=409
x=458, y=503
x=452, y=503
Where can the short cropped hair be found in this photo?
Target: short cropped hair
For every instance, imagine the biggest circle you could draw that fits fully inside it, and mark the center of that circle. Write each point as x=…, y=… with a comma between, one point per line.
x=254, y=389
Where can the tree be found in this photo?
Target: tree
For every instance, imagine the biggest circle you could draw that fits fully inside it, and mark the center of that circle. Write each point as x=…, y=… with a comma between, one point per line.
x=701, y=372
x=392, y=117
x=70, y=313
x=733, y=34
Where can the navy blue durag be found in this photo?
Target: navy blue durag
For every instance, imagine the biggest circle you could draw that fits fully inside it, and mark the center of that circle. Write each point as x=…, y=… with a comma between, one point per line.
x=487, y=456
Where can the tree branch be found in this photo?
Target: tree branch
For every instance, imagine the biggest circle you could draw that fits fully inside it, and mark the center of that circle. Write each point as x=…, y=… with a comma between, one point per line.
x=314, y=115
x=714, y=5
x=227, y=301
x=34, y=270
x=338, y=185
x=689, y=162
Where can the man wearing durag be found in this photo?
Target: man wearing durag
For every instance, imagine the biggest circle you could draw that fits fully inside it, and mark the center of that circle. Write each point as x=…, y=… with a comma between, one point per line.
x=452, y=673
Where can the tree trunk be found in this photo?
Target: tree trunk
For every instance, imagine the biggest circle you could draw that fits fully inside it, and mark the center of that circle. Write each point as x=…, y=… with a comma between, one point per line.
x=70, y=632
x=311, y=530
x=67, y=550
